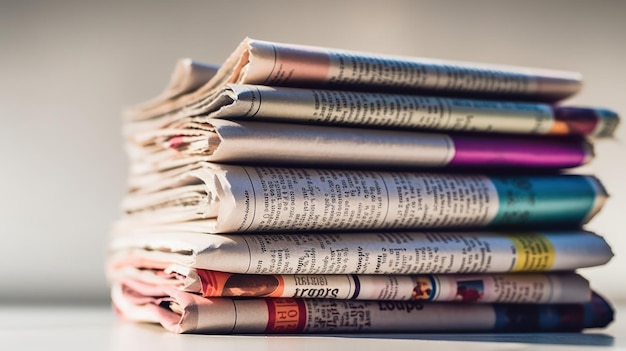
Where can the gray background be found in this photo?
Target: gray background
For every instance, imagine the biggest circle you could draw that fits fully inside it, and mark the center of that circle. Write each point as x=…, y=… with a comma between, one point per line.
x=67, y=68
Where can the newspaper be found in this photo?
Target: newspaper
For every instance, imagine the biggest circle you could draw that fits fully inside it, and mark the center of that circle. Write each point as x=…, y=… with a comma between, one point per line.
x=183, y=312
x=335, y=107
x=332, y=238
x=187, y=77
x=466, y=288
x=316, y=146
x=400, y=253
x=231, y=198
x=278, y=64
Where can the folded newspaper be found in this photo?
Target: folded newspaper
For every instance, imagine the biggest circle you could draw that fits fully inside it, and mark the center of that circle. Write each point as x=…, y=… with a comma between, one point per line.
x=183, y=312
x=279, y=64
x=561, y=287
x=254, y=83
x=367, y=252
x=264, y=143
x=313, y=106
x=230, y=198
x=390, y=111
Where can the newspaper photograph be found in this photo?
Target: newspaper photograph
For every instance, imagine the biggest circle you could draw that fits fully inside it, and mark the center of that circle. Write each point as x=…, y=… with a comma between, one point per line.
x=562, y=287
x=399, y=253
x=252, y=143
x=231, y=198
x=279, y=64
x=183, y=312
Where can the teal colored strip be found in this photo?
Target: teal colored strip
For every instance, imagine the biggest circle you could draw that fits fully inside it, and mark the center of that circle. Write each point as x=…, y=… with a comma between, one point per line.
x=546, y=200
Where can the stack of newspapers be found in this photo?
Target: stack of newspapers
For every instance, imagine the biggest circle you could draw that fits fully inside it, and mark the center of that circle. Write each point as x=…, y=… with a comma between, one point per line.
x=299, y=189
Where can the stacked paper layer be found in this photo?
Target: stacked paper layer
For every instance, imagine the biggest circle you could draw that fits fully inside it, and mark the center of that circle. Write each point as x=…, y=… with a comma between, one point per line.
x=298, y=189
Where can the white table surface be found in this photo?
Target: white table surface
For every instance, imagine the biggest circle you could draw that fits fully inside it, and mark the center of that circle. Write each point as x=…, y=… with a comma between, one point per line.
x=97, y=328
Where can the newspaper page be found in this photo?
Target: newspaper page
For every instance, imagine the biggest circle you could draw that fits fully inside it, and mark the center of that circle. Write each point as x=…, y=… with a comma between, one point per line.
x=188, y=76
x=315, y=146
x=254, y=199
x=399, y=253
x=354, y=108
x=466, y=288
x=182, y=312
x=279, y=64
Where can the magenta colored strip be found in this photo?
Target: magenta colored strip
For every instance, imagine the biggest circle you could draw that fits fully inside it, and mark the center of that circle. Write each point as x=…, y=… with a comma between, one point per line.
x=520, y=152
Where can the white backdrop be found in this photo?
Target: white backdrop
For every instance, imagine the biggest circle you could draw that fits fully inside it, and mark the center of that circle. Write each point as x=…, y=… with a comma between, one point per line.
x=68, y=67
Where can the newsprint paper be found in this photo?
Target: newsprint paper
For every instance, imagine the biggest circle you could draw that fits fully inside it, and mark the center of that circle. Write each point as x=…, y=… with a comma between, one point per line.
x=369, y=253
x=227, y=198
x=278, y=64
x=561, y=287
x=255, y=143
x=183, y=312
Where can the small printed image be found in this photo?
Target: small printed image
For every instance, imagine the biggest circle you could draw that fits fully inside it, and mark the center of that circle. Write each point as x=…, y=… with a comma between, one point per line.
x=469, y=290
x=250, y=285
x=424, y=288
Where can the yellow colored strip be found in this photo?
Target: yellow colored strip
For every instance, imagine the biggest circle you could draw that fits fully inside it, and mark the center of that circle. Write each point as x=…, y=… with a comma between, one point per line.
x=534, y=253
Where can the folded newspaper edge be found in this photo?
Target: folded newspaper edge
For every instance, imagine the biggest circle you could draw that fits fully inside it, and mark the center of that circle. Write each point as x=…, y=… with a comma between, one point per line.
x=182, y=312
x=254, y=199
x=188, y=76
x=366, y=253
x=264, y=143
x=561, y=287
x=279, y=64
